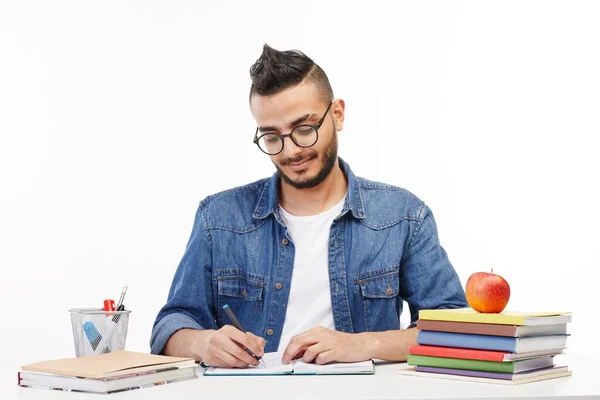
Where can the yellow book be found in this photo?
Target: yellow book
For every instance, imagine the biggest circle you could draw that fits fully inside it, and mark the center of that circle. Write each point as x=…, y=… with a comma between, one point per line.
x=503, y=318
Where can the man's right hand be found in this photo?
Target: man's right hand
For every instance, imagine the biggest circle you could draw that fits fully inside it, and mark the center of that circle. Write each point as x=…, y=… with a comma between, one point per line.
x=225, y=347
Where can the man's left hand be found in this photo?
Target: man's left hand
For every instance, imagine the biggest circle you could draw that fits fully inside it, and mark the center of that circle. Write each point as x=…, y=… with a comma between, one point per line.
x=321, y=345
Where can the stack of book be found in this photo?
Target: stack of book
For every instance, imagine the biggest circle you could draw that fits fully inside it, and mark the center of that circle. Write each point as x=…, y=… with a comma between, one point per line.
x=506, y=348
x=107, y=373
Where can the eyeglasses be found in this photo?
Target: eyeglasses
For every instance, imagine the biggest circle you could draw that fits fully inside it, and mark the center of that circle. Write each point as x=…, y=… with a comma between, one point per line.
x=302, y=135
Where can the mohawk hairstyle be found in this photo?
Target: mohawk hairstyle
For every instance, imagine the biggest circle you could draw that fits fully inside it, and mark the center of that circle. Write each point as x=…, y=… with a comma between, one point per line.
x=277, y=70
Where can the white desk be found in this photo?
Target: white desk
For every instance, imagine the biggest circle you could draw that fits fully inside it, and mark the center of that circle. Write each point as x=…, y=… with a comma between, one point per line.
x=385, y=384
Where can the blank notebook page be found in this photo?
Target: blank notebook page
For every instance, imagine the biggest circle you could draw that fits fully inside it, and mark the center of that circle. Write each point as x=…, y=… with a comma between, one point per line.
x=273, y=366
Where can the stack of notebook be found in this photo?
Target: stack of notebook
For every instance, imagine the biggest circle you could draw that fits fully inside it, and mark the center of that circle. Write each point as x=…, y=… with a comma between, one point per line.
x=107, y=373
x=507, y=348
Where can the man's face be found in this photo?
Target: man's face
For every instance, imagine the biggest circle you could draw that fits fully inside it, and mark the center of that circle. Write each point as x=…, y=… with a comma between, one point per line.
x=280, y=113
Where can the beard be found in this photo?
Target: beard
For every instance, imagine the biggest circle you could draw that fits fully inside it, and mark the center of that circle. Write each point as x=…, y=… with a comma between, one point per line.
x=329, y=158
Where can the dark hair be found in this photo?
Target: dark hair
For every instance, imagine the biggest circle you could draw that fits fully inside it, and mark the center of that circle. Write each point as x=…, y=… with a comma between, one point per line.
x=277, y=70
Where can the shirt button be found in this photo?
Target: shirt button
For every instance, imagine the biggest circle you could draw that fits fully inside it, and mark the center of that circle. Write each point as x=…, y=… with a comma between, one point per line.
x=269, y=332
x=284, y=242
x=278, y=285
x=389, y=291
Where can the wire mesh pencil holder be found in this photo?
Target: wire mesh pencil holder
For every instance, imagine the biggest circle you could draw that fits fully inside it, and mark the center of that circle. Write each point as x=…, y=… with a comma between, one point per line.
x=96, y=331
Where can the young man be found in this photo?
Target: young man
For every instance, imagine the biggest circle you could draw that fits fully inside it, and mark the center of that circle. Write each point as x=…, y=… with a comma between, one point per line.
x=314, y=261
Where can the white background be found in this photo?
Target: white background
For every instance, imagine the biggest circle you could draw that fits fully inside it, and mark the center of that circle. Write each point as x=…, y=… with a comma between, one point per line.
x=117, y=118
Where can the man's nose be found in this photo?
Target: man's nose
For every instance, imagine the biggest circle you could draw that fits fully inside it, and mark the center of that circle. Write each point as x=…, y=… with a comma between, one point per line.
x=290, y=148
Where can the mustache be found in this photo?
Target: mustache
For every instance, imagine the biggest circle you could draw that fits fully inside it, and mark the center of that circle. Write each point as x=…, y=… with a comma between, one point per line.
x=298, y=159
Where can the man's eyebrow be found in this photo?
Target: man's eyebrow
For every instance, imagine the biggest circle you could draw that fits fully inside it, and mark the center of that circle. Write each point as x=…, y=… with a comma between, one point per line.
x=294, y=122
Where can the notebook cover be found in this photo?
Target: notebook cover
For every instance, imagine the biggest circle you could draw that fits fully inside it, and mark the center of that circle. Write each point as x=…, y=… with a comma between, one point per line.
x=107, y=365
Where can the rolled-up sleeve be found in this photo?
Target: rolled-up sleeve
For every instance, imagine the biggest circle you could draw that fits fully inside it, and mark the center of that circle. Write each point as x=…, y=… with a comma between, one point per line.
x=428, y=279
x=190, y=300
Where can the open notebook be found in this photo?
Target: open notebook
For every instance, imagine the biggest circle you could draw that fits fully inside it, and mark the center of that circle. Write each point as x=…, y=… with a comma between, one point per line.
x=296, y=367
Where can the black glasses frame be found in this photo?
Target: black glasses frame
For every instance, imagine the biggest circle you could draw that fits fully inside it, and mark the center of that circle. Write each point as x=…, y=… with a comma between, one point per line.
x=290, y=135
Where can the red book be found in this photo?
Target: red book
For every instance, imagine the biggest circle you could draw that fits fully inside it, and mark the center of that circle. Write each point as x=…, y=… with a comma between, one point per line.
x=470, y=354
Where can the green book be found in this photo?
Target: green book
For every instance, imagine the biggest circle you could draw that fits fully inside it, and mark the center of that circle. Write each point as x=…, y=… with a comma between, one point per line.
x=479, y=365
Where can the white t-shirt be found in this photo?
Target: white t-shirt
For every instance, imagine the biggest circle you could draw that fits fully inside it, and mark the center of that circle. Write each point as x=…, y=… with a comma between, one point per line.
x=309, y=304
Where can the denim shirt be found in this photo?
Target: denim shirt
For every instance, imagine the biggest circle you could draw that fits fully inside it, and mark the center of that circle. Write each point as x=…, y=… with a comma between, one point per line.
x=383, y=248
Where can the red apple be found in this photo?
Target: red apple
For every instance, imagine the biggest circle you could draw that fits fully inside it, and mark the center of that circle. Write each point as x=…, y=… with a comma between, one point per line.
x=487, y=292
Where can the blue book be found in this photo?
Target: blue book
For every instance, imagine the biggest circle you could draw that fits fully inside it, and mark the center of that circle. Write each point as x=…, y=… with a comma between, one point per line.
x=494, y=343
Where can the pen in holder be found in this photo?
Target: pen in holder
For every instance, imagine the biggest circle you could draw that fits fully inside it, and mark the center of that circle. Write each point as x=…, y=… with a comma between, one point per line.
x=96, y=331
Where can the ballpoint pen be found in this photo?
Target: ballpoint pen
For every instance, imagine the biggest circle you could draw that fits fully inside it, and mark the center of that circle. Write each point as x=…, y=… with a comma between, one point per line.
x=111, y=328
x=237, y=324
x=120, y=306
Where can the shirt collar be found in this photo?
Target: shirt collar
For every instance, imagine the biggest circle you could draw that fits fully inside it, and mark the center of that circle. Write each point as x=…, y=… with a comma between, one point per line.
x=268, y=202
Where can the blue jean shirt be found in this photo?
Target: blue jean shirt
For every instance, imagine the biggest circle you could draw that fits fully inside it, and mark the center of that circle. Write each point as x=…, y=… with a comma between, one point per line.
x=383, y=248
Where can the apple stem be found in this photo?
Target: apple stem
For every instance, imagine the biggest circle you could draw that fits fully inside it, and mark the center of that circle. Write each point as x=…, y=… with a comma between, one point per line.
x=492, y=271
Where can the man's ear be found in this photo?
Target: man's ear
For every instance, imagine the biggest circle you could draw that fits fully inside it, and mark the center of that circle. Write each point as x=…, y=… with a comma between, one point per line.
x=338, y=111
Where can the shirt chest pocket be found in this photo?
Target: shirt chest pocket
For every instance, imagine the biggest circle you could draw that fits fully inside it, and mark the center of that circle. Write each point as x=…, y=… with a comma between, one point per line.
x=244, y=294
x=241, y=288
x=379, y=292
